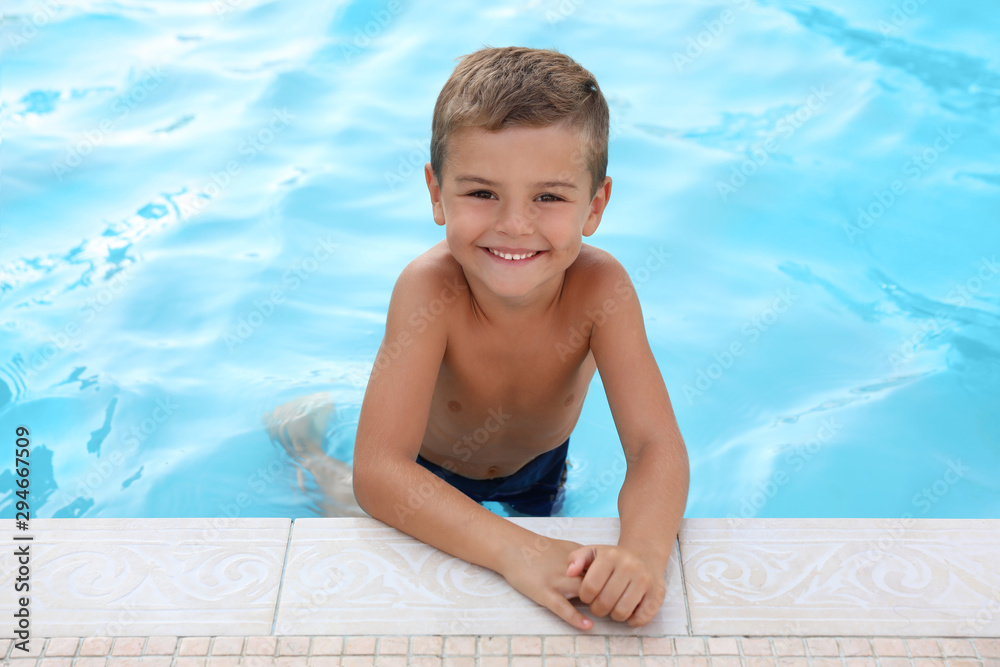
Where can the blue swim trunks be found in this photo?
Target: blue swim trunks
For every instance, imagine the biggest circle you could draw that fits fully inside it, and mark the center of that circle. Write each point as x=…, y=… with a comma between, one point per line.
x=536, y=489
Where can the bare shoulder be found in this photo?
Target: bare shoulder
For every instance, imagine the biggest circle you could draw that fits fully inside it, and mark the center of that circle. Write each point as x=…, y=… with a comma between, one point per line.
x=431, y=273
x=594, y=259
x=599, y=275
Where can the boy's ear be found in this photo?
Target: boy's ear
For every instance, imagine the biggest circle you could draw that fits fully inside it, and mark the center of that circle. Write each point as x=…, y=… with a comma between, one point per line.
x=597, y=206
x=435, y=189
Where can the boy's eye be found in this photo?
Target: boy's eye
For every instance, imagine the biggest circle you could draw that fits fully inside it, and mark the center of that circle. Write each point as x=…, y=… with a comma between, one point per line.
x=486, y=194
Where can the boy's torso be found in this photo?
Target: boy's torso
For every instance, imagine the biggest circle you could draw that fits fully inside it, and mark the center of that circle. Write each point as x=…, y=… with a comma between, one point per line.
x=506, y=394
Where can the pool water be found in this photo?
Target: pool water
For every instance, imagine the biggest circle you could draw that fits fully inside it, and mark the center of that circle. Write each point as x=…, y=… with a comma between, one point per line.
x=205, y=206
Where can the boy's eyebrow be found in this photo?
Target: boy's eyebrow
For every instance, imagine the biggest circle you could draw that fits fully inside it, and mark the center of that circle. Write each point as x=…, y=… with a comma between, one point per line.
x=489, y=183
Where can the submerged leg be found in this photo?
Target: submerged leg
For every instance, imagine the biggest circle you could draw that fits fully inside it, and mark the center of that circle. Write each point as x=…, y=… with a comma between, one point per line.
x=299, y=426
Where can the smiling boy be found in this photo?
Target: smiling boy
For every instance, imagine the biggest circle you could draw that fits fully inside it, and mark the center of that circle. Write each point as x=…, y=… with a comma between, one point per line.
x=492, y=339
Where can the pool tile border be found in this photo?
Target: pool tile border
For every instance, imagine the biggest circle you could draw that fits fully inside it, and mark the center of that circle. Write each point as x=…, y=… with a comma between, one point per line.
x=137, y=576
x=842, y=576
x=342, y=579
x=760, y=577
x=549, y=650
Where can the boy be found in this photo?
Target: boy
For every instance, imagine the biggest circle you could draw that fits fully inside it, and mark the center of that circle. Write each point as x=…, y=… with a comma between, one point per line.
x=492, y=338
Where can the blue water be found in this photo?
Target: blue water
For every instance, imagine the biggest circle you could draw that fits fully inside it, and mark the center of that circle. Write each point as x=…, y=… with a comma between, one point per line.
x=205, y=206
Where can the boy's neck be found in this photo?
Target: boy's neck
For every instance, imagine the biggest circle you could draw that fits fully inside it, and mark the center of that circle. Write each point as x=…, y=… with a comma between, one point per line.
x=521, y=311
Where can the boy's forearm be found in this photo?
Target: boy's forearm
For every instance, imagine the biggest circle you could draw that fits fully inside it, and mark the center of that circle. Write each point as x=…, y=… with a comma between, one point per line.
x=652, y=500
x=412, y=499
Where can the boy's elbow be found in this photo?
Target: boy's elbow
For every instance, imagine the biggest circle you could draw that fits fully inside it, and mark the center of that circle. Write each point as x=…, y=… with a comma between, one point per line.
x=379, y=482
x=372, y=490
x=362, y=485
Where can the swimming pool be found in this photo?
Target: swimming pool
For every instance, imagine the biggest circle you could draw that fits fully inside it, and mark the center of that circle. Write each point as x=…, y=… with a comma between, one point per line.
x=206, y=204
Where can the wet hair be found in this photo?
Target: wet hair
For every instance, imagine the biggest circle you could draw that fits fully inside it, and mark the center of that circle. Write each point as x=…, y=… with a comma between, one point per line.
x=497, y=88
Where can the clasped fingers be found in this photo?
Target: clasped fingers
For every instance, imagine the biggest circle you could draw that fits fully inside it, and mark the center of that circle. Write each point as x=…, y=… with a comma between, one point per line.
x=618, y=583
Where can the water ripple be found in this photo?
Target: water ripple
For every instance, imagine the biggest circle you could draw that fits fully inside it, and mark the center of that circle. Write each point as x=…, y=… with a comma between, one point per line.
x=966, y=83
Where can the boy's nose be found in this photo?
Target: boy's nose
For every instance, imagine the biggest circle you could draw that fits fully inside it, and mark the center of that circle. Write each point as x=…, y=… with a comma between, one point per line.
x=515, y=220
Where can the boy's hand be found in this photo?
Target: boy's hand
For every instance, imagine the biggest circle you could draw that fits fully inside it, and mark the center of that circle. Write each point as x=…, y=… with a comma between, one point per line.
x=539, y=573
x=618, y=581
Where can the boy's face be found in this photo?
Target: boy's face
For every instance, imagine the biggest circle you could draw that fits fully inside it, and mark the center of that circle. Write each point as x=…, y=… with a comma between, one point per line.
x=519, y=191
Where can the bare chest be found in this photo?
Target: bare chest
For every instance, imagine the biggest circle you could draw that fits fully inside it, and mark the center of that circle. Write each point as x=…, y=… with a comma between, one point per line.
x=505, y=397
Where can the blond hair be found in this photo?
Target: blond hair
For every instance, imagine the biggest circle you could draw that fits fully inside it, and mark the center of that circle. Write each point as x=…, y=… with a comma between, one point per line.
x=496, y=88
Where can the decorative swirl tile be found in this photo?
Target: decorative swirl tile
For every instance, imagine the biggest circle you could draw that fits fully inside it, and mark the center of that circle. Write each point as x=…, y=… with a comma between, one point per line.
x=220, y=573
x=383, y=580
x=839, y=576
x=153, y=576
x=470, y=581
x=85, y=575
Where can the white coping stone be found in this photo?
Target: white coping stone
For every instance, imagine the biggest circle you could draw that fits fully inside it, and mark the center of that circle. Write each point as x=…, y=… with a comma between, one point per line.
x=861, y=577
x=358, y=576
x=893, y=577
x=133, y=577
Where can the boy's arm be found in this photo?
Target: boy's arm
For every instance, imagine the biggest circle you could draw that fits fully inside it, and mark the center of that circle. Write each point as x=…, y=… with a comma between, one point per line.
x=652, y=499
x=391, y=486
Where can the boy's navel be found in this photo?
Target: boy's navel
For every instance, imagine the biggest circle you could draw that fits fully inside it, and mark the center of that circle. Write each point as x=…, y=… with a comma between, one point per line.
x=454, y=406
x=569, y=400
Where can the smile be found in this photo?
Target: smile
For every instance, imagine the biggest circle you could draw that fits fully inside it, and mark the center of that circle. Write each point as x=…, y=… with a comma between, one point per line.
x=516, y=257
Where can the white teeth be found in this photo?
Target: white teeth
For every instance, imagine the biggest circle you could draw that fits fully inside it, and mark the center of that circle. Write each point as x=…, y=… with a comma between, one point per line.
x=510, y=256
